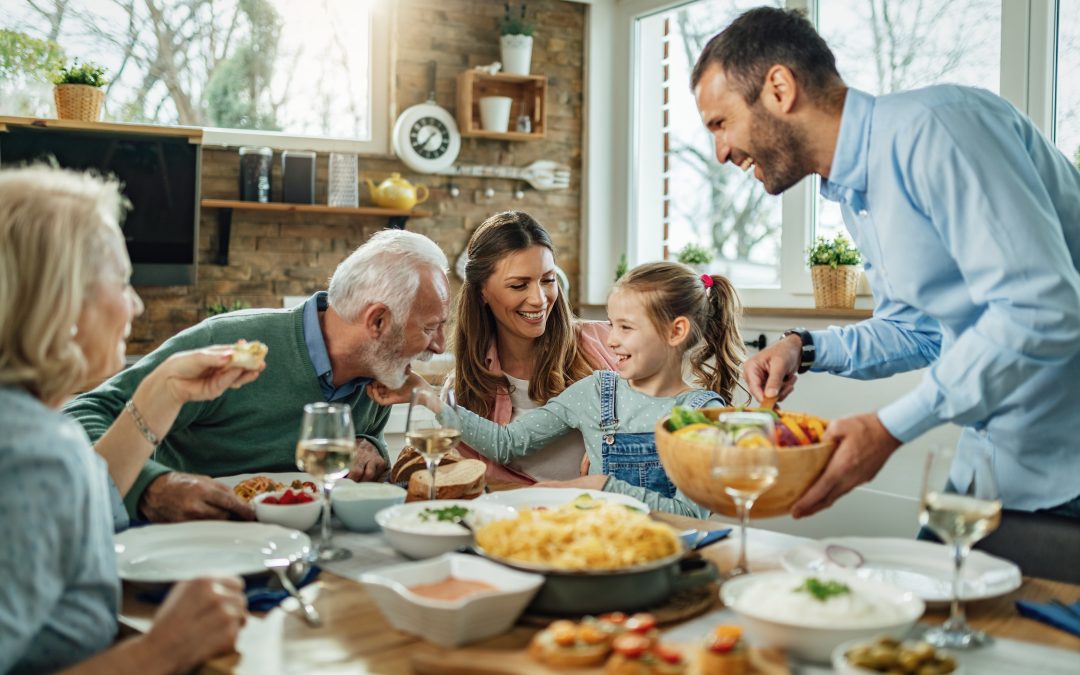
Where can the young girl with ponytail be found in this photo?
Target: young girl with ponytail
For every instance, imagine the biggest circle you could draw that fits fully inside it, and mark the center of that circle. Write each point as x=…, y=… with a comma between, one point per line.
x=661, y=314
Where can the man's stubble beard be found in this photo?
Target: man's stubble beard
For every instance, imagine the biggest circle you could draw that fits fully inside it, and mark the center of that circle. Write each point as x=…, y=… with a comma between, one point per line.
x=780, y=151
x=385, y=360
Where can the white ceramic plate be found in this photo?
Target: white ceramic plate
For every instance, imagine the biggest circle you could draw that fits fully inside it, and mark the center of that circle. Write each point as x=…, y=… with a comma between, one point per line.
x=285, y=477
x=532, y=497
x=178, y=551
x=922, y=567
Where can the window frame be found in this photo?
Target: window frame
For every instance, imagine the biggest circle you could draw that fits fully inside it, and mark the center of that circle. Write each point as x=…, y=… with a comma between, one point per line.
x=383, y=109
x=611, y=217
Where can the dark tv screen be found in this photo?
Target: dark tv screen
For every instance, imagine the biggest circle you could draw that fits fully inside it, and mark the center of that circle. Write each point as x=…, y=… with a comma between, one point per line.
x=160, y=177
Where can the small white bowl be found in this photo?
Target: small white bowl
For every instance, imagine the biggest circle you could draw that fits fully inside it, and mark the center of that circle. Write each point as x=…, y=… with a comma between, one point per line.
x=403, y=529
x=815, y=641
x=295, y=516
x=356, y=504
x=842, y=666
x=458, y=622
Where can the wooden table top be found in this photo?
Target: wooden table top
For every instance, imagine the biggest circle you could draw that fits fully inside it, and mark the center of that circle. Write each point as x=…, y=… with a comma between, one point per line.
x=356, y=638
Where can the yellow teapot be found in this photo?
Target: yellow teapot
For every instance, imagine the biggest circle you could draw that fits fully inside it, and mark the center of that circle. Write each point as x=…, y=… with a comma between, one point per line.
x=397, y=193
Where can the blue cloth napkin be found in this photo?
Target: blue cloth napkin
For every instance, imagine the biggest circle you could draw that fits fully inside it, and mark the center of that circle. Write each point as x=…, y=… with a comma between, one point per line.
x=1055, y=615
x=261, y=597
x=711, y=537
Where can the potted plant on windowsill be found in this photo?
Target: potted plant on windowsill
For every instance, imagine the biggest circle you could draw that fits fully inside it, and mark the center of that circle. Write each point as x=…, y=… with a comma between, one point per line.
x=78, y=92
x=834, y=269
x=695, y=256
x=516, y=42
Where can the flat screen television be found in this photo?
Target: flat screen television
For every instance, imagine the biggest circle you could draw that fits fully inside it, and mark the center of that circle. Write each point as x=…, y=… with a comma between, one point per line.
x=160, y=175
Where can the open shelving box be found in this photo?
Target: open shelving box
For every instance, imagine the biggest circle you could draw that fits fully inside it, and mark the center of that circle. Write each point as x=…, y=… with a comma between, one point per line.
x=529, y=95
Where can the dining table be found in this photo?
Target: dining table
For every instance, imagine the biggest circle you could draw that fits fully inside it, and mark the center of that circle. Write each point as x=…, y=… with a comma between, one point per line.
x=355, y=638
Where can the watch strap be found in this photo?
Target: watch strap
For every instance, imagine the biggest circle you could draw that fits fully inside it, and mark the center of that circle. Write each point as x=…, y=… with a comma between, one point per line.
x=809, y=352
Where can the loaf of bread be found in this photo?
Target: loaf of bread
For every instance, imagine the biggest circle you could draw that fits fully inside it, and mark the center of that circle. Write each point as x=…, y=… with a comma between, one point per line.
x=410, y=461
x=464, y=479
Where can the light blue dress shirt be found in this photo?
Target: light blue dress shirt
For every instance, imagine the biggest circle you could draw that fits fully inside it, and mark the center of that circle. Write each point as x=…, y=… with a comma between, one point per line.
x=969, y=222
x=320, y=358
x=60, y=592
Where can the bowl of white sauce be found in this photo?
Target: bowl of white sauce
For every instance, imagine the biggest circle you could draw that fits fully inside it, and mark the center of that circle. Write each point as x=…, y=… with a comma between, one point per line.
x=809, y=615
x=431, y=528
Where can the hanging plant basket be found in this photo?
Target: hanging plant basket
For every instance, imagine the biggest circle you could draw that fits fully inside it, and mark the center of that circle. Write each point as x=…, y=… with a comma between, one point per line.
x=78, y=102
x=834, y=287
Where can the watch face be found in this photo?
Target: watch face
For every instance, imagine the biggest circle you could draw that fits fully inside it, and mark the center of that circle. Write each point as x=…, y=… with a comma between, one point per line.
x=429, y=137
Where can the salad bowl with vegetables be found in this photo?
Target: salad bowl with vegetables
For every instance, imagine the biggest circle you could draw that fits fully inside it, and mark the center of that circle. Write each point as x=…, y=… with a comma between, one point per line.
x=686, y=439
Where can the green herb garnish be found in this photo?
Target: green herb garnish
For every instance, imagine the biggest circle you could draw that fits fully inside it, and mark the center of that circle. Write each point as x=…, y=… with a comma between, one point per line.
x=450, y=514
x=823, y=590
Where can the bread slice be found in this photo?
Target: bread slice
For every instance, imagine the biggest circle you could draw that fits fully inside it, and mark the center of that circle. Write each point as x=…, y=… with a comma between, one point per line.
x=248, y=355
x=410, y=461
x=461, y=480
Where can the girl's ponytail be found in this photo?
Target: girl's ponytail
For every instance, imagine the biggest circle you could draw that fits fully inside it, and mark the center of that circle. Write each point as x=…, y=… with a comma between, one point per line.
x=721, y=341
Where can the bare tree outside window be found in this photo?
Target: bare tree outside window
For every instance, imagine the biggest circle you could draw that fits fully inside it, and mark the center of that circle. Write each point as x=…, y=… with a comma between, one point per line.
x=268, y=65
x=1067, y=124
x=886, y=46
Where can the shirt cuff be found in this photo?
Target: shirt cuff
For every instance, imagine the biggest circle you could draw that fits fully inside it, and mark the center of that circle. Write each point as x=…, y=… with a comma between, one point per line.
x=908, y=417
x=829, y=352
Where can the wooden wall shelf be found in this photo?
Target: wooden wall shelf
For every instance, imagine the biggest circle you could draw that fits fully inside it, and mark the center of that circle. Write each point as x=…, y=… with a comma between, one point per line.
x=396, y=218
x=529, y=93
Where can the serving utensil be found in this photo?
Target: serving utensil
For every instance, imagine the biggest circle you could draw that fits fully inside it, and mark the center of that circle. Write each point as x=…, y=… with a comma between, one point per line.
x=542, y=174
x=282, y=567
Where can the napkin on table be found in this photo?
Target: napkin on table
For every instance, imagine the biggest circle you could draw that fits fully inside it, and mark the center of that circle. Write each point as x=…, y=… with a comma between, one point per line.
x=1049, y=613
x=261, y=597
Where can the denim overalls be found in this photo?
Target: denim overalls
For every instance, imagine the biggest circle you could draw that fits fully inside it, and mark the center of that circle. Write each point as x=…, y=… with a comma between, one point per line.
x=633, y=457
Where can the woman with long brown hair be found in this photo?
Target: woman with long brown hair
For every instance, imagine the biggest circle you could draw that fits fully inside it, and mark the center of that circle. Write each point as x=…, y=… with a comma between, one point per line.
x=516, y=341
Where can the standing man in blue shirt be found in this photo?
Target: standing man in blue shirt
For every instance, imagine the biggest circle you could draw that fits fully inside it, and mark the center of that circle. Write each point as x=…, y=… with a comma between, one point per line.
x=969, y=221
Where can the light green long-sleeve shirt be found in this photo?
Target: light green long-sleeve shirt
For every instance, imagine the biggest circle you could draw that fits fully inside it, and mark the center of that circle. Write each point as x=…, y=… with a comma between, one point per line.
x=251, y=429
x=578, y=407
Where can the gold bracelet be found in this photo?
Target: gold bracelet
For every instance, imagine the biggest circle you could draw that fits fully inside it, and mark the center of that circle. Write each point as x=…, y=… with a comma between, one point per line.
x=141, y=424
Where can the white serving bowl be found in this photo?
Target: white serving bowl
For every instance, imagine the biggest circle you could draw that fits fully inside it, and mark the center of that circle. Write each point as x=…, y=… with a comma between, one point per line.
x=812, y=640
x=295, y=516
x=841, y=665
x=427, y=540
x=458, y=622
x=356, y=504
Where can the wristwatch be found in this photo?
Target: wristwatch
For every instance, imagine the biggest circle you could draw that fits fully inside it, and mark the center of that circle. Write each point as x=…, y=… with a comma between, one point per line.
x=809, y=353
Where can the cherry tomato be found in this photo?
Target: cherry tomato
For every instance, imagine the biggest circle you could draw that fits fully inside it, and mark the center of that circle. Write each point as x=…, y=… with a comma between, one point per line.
x=614, y=617
x=641, y=623
x=668, y=654
x=630, y=645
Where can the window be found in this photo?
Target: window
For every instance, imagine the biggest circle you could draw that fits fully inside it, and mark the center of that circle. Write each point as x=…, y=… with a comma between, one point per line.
x=883, y=46
x=238, y=67
x=1067, y=122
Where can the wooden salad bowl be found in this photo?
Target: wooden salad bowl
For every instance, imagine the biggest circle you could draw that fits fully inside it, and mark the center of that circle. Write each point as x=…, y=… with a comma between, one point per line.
x=689, y=465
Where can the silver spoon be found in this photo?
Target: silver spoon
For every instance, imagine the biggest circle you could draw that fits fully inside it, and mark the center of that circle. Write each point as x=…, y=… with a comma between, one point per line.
x=281, y=567
x=844, y=556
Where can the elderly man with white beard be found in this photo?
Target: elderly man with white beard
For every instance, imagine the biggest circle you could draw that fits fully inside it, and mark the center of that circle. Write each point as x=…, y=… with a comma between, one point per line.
x=387, y=305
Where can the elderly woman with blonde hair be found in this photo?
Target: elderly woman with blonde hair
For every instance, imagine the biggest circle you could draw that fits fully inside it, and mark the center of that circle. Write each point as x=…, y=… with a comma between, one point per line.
x=66, y=307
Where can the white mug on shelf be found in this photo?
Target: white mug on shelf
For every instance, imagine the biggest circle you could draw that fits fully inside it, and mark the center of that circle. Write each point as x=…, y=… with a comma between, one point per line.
x=495, y=113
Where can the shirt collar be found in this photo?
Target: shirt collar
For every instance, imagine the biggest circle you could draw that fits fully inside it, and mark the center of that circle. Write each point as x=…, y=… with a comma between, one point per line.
x=851, y=158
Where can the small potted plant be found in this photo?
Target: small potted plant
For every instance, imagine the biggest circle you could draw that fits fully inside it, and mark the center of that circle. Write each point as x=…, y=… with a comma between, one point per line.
x=516, y=41
x=696, y=256
x=834, y=268
x=78, y=92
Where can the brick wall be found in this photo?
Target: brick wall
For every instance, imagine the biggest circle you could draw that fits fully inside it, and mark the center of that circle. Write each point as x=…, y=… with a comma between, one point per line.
x=273, y=255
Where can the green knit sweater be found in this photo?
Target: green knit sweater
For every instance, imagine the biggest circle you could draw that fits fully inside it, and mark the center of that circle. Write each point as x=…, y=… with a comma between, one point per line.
x=251, y=429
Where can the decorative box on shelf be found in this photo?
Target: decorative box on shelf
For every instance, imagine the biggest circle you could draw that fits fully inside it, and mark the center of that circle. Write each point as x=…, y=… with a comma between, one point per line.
x=528, y=94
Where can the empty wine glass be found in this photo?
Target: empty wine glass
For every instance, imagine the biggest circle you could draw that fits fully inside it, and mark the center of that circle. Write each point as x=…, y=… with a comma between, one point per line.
x=433, y=426
x=959, y=520
x=746, y=464
x=325, y=450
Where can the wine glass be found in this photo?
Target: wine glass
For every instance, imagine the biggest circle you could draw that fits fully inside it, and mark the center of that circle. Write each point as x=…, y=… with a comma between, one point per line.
x=746, y=464
x=325, y=450
x=959, y=520
x=433, y=426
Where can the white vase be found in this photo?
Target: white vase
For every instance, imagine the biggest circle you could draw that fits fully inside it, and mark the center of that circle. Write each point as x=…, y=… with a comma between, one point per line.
x=516, y=53
x=495, y=113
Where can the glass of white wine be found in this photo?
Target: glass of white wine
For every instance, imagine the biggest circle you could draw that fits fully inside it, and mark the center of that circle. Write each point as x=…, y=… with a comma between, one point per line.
x=433, y=426
x=325, y=450
x=746, y=464
x=959, y=520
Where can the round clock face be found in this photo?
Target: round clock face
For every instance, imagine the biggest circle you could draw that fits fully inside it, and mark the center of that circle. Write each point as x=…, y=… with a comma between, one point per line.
x=426, y=138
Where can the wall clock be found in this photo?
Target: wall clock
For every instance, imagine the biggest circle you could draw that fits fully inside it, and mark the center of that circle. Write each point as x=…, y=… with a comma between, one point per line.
x=426, y=137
